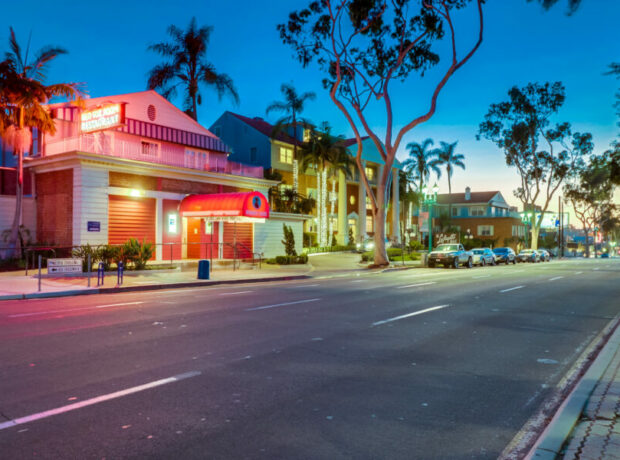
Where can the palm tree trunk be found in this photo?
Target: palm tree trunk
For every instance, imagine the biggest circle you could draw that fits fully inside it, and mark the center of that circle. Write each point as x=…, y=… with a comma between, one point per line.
x=295, y=167
x=14, y=240
x=331, y=211
x=450, y=200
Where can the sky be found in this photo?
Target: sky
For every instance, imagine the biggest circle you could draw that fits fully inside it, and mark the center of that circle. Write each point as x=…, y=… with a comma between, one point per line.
x=107, y=44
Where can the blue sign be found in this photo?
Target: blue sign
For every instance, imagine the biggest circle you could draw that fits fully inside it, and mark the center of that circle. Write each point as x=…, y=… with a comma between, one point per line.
x=557, y=222
x=94, y=226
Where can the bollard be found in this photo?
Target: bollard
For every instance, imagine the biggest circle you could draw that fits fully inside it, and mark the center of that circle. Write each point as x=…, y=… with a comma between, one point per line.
x=39, y=272
x=203, y=269
x=119, y=274
x=100, y=273
x=89, y=268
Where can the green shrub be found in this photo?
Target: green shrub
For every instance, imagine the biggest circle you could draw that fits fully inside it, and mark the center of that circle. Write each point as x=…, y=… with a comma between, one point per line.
x=415, y=245
x=83, y=252
x=135, y=253
x=290, y=260
x=108, y=254
x=289, y=241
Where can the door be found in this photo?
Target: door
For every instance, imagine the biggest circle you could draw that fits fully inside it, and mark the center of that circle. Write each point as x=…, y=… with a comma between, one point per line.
x=194, y=237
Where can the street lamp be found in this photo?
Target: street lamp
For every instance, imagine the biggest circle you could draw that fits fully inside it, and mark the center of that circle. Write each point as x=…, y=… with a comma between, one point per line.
x=430, y=198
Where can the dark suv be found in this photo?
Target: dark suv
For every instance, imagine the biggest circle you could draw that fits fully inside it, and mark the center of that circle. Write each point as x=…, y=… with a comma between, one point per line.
x=505, y=255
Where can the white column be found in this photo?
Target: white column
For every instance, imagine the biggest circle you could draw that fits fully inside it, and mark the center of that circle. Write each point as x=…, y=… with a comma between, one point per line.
x=159, y=210
x=395, y=206
x=361, y=210
x=343, y=233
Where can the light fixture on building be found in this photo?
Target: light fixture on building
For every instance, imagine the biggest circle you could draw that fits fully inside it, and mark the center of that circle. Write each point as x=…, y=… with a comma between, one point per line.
x=136, y=193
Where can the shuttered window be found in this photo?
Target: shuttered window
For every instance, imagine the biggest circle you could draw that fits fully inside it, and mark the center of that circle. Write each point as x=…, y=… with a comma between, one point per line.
x=131, y=217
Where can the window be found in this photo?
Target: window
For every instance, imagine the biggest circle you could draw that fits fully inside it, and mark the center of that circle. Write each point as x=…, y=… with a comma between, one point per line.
x=284, y=188
x=253, y=154
x=455, y=211
x=311, y=193
x=286, y=155
x=188, y=161
x=476, y=211
x=149, y=148
x=306, y=137
x=369, y=224
x=368, y=203
x=370, y=173
x=485, y=230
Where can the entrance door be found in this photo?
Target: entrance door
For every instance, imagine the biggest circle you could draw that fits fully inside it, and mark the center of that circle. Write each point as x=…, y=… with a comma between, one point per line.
x=194, y=237
x=201, y=239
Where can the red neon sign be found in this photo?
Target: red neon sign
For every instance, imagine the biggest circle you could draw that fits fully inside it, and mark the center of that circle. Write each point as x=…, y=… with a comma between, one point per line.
x=104, y=117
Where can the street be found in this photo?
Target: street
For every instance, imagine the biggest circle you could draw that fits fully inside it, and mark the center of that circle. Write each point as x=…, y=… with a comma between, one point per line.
x=421, y=363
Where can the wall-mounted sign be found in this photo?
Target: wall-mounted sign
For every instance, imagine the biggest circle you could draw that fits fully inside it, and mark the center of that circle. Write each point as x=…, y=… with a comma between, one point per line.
x=172, y=223
x=104, y=117
x=93, y=226
x=447, y=238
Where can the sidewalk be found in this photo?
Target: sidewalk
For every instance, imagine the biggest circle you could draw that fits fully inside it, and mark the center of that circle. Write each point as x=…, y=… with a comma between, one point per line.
x=587, y=427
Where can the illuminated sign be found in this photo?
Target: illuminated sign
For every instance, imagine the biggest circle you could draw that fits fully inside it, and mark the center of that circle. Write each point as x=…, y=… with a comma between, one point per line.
x=172, y=223
x=104, y=117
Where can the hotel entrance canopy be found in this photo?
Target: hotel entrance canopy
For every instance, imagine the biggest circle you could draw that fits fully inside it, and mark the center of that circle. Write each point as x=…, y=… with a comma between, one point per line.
x=226, y=207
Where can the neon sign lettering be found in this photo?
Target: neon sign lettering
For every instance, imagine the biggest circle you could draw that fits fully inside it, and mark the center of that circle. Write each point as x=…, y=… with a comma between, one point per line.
x=105, y=117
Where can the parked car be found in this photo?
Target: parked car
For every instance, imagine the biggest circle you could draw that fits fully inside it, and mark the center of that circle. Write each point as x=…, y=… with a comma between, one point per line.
x=528, y=255
x=483, y=256
x=605, y=255
x=545, y=256
x=369, y=244
x=450, y=255
x=505, y=255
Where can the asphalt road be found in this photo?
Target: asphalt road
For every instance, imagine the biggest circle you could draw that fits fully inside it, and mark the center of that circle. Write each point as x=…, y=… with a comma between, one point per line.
x=421, y=363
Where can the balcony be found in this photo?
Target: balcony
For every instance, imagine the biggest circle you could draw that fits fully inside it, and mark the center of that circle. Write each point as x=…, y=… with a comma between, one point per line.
x=151, y=152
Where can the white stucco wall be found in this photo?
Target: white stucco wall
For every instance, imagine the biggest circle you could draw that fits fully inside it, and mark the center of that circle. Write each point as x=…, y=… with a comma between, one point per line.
x=269, y=235
x=90, y=203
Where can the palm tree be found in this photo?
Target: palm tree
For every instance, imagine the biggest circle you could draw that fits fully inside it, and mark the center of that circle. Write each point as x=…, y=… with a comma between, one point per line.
x=447, y=157
x=421, y=162
x=188, y=68
x=23, y=96
x=292, y=106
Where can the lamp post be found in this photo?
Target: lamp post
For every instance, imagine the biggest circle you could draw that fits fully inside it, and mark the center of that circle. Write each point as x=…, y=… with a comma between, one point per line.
x=430, y=198
x=527, y=219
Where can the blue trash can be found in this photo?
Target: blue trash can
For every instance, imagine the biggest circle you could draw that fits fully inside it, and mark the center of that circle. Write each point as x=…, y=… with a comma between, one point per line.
x=203, y=269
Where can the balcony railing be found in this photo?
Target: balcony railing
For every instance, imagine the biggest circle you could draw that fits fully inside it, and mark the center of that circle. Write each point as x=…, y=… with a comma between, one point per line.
x=152, y=153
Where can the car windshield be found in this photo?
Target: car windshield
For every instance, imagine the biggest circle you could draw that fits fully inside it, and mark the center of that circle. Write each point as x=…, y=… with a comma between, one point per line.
x=500, y=250
x=448, y=247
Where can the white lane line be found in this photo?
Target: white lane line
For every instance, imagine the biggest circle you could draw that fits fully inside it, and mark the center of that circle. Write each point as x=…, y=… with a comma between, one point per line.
x=415, y=285
x=512, y=289
x=49, y=312
x=304, y=286
x=281, y=304
x=409, y=315
x=556, y=278
x=578, y=273
x=96, y=400
x=483, y=276
x=597, y=268
x=235, y=293
x=358, y=281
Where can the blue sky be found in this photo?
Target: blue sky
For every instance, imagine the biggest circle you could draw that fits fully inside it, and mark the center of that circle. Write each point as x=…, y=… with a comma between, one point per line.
x=107, y=51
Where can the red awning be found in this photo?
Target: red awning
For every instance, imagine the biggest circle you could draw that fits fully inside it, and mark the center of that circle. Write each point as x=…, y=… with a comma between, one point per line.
x=245, y=205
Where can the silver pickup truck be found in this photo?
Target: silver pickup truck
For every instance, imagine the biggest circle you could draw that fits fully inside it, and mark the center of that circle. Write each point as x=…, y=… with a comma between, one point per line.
x=450, y=255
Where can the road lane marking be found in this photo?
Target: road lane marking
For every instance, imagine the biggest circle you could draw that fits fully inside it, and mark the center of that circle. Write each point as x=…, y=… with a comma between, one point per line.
x=304, y=286
x=49, y=312
x=556, y=278
x=597, y=268
x=235, y=293
x=415, y=285
x=358, y=281
x=409, y=315
x=483, y=276
x=578, y=273
x=512, y=289
x=96, y=400
x=264, y=307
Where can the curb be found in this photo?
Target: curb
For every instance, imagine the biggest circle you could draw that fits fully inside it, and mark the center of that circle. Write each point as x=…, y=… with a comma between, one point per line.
x=148, y=287
x=550, y=444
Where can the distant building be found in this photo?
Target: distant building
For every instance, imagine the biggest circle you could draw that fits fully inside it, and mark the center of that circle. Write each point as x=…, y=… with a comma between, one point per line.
x=484, y=215
x=252, y=143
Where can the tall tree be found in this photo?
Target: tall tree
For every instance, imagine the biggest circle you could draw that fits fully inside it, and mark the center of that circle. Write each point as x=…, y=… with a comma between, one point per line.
x=547, y=4
x=544, y=155
x=23, y=95
x=188, y=68
x=362, y=47
x=292, y=106
x=421, y=162
x=447, y=157
x=590, y=193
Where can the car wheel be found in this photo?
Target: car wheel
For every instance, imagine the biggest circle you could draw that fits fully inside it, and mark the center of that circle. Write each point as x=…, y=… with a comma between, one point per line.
x=455, y=264
x=494, y=262
x=514, y=261
x=470, y=263
x=482, y=263
x=507, y=260
x=431, y=265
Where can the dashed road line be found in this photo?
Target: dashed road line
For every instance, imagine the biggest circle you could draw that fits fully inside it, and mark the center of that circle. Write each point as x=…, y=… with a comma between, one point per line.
x=556, y=278
x=264, y=307
x=50, y=312
x=96, y=400
x=409, y=315
x=512, y=289
x=235, y=293
x=415, y=285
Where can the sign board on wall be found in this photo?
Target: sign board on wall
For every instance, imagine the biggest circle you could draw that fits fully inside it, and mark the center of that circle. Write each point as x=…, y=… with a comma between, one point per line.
x=104, y=117
x=64, y=265
x=447, y=238
x=93, y=226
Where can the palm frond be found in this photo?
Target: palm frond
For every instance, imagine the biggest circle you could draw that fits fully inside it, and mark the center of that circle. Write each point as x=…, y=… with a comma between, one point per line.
x=276, y=107
x=16, y=56
x=223, y=83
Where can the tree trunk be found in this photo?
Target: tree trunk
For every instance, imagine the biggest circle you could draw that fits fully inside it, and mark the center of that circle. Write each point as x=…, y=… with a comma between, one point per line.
x=450, y=200
x=535, y=233
x=381, y=257
x=587, y=244
x=331, y=211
